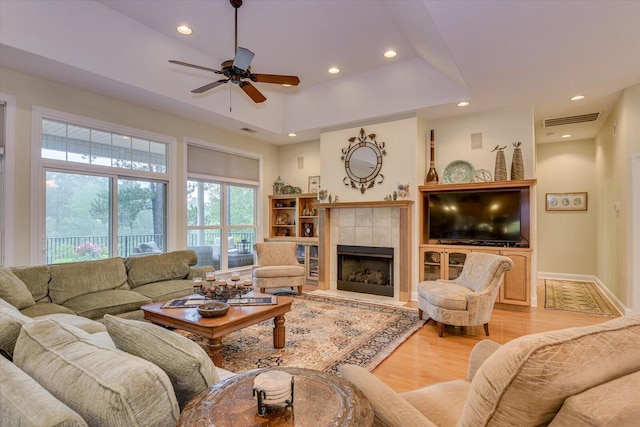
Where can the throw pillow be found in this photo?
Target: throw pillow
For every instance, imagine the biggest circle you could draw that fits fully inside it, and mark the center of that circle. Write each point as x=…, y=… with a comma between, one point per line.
x=106, y=386
x=13, y=290
x=188, y=366
x=11, y=321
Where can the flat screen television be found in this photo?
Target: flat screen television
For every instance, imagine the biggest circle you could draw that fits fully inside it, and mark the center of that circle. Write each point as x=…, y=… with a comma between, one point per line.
x=475, y=217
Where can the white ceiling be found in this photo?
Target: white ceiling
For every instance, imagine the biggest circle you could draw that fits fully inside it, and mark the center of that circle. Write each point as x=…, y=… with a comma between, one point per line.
x=494, y=54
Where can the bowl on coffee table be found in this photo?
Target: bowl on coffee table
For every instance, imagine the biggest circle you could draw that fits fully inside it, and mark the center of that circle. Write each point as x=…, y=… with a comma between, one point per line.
x=213, y=309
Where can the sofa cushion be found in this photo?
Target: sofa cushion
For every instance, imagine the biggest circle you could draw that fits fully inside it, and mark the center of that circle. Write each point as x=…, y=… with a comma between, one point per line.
x=11, y=321
x=117, y=301
x=441, y=403
x=609, y=404
x=527, y=380
x=444, y=294
x=80, y=278
x=13, y=290
x=166, y=290
x=44, y=308
x=389, y=408
x=105, y=386
x=24, y=402
x=37, y=280
x=188, y=366
x=156, y=268
x=278, y=271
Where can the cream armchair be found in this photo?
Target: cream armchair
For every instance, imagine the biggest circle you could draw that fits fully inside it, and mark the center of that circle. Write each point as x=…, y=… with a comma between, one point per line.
x=584, y=376
x=277, y=266
x=469, y=299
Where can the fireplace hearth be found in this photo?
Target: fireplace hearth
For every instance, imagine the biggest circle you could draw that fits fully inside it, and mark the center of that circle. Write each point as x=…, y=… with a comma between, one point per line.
x=365, y=269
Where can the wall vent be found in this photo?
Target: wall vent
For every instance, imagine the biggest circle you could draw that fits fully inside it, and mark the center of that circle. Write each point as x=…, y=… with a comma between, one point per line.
x=249, y=130
x=571, y=120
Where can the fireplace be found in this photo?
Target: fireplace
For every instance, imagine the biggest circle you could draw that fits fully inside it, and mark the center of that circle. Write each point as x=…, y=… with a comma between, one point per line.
x=365, y=269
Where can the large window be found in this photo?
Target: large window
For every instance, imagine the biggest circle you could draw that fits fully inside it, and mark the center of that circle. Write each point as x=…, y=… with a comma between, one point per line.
x=221, y=210
x=105, y=191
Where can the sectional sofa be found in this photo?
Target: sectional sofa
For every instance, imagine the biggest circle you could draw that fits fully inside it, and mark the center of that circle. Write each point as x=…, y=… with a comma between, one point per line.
x=115, y=286
x=76, y=355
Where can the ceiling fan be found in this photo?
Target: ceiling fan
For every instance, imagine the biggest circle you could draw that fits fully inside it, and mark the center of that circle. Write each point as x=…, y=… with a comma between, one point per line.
x=237, y=70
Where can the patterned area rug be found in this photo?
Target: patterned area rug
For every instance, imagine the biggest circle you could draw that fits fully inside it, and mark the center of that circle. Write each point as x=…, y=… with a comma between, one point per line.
x=579, y=297
x=321, y=333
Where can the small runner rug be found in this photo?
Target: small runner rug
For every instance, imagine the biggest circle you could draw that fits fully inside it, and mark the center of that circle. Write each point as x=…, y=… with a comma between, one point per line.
x=579, y=297
x=321, y=333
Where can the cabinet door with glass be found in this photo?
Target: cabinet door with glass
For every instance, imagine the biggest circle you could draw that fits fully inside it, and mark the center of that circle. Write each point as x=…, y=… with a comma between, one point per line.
x=441, y=263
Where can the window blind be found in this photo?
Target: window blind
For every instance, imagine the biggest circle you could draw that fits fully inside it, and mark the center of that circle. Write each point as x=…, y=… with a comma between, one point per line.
x=213, y=162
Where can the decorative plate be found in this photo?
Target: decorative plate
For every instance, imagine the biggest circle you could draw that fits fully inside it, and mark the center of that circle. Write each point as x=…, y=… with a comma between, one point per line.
x=458, y=172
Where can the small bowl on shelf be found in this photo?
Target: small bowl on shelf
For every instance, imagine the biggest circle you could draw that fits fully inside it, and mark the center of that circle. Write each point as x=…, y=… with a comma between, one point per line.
x=213, y=309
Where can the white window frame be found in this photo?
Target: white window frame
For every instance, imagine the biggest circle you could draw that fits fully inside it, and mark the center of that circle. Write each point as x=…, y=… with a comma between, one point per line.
x=222, y=181
x=39, y=166
x=8, y=193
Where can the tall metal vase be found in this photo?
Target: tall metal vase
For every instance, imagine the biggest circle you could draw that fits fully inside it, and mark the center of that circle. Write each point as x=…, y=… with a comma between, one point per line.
x=500, y=172
x=517, y=165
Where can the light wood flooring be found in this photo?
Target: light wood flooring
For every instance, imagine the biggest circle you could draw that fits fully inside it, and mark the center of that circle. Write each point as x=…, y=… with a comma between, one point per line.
x=425, y=358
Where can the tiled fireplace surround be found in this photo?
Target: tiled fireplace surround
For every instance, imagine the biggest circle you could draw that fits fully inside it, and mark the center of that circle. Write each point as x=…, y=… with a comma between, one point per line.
x=377, y=224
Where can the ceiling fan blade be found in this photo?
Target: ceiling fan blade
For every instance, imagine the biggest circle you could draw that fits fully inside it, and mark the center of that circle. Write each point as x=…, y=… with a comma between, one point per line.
x=275, y=78
x=243, y=58
x=209, y=86
x=199, y=67
x=253, y=92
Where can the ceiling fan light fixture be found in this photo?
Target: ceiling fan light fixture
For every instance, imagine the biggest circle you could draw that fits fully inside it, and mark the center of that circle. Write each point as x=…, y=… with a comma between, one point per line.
x=184, y=29
x=334, y=70
x=292, y=134
x=464, y=104
x=390, y=53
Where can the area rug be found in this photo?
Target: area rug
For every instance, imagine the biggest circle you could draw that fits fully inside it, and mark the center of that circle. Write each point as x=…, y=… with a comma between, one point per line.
x=321, y=333
x=575, y=296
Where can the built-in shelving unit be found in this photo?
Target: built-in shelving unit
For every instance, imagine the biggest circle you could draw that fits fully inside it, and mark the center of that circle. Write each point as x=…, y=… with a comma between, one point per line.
x=294, y=218
x=445, y=261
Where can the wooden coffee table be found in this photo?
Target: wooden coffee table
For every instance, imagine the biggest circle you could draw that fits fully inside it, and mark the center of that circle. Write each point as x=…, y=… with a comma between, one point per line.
x=319, y=399
x=214, y=328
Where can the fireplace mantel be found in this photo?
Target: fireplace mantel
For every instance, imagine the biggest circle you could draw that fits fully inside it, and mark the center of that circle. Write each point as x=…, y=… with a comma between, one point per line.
x=372, y=204
x=402, y=237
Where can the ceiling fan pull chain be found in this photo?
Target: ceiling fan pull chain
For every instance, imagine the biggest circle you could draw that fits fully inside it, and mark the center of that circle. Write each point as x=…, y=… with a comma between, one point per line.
x=230, y=91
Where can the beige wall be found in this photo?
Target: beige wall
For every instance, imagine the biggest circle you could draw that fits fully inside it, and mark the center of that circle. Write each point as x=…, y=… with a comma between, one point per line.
x=567, y=241
x=32, y=91
x=289, y=166
x=616, y=143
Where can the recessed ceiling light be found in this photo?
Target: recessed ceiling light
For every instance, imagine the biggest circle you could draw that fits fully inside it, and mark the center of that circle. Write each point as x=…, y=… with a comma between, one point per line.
x=463, y=104
x=390, y=53
x=292, y=134
x=566, y=135
x=577, y=97
x=183, y=29
x=334, y=70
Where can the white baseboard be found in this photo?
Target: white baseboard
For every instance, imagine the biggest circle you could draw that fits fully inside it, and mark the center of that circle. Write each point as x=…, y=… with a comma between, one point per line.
x=590, y=278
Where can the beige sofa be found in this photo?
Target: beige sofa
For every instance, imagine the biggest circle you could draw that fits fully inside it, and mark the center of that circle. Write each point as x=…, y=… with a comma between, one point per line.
x=68, y=370
x=116, y=286
x=586, y=376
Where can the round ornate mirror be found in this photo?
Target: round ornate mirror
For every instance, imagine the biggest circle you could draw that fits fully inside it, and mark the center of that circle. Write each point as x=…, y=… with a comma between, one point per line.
x=363, y=161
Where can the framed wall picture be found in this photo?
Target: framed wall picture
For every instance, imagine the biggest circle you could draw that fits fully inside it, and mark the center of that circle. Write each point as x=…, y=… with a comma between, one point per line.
x=566, y=201
x=314, y=184
x=307, y=229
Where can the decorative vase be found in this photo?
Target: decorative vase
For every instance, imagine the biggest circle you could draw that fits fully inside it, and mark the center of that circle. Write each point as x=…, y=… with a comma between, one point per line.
x=517, y=165
x=432, y=174
x=500, y=173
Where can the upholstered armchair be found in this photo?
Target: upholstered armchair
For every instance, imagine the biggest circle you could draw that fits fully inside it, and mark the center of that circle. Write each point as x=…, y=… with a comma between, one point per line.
x=469, y=299
x=277, y=266
x=585, y=376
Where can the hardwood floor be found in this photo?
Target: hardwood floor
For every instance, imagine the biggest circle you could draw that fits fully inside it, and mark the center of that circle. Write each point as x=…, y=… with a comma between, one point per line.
x=426, y=358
